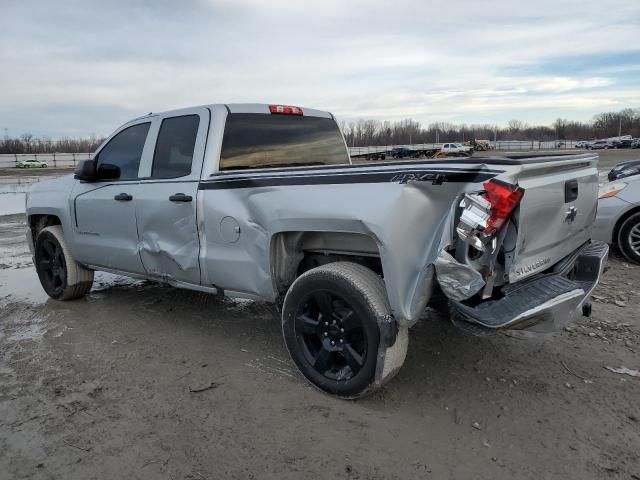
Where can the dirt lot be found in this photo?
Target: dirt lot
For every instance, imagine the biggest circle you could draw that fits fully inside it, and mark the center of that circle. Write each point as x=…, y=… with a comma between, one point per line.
x=100, y=388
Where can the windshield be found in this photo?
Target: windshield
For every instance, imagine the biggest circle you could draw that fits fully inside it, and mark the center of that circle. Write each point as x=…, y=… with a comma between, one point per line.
x=255, y=140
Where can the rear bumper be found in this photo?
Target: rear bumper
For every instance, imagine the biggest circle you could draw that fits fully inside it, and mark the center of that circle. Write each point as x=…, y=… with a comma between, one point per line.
x=544, y=303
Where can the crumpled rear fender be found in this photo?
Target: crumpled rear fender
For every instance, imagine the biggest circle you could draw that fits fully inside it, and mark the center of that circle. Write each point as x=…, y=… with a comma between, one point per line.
x=409, y=222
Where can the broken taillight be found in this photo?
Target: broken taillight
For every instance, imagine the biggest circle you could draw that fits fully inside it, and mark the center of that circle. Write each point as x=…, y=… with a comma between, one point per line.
x=285, y=110
x=503, y=198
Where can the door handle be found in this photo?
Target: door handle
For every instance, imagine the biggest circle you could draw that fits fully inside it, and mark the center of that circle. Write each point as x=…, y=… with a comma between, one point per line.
x=123, y=197
x=180, y=197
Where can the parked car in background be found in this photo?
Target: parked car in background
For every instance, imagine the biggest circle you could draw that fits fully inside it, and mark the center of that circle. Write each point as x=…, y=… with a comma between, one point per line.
x=623, y=143
x=30, y=164
x=618, y=218
x=600, y=145
x=582, y=144
x=401, y=152
x=624, y=169
x=635, y=143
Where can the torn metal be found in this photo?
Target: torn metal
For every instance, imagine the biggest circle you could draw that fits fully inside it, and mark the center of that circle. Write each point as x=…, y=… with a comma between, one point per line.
x=457, y=280
x=473, y=220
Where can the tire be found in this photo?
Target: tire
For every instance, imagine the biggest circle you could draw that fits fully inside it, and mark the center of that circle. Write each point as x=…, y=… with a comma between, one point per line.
x=60, y=275
x=359, y=348
x=629, y=238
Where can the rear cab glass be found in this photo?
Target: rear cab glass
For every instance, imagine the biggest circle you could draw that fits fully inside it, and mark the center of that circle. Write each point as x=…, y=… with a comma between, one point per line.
x=255, y=140
x=174, y=149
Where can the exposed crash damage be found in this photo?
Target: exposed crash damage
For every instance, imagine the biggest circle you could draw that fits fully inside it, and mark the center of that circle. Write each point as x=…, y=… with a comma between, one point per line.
x=540, y=302
x=263, y=202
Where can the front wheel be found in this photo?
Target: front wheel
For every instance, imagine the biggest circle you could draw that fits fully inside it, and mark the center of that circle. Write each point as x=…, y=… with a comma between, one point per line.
x=339, y=332
x=60, y=275
x=629, y=238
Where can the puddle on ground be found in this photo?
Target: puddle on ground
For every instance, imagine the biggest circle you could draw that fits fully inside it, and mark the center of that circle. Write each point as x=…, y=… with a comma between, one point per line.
x=11, y=203
x=22, y=284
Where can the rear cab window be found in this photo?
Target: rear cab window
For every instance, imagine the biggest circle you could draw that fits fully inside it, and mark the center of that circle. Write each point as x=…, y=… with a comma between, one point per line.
x=176, y=142
x=255, y=140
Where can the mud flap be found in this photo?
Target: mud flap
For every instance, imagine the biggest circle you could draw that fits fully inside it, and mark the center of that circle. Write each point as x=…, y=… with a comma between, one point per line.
x=392, y=350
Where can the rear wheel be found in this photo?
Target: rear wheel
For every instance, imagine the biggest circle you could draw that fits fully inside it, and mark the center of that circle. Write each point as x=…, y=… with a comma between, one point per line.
x=60, y=275
x=629, y=238
x=331, y=321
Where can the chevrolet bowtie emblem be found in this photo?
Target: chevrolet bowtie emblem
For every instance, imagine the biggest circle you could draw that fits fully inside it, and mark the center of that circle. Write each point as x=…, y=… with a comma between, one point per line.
x=571, y=215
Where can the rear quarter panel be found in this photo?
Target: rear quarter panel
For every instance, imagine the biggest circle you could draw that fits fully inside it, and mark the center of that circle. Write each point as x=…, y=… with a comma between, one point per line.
x=408, y=222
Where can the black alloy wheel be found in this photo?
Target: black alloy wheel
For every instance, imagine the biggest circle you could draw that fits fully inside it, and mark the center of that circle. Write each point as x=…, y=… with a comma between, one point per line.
x=330, y=335
x=51, y=266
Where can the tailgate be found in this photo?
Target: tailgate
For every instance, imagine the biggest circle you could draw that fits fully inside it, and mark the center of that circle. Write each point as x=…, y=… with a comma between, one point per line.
x=556, y=212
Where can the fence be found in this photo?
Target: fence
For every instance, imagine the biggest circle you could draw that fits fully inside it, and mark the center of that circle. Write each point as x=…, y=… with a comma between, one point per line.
x=509, y=145
x=70, y=160
x=58, y=160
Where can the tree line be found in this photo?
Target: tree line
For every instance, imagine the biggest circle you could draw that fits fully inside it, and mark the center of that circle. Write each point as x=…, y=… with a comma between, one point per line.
x=28, y=143
x=364, y=133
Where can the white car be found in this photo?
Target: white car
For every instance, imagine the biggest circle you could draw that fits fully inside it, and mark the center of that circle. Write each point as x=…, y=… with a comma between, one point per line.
x=30, y=164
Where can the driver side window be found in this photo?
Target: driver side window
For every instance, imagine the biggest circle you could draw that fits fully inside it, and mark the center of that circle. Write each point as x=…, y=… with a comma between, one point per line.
x=124, y=151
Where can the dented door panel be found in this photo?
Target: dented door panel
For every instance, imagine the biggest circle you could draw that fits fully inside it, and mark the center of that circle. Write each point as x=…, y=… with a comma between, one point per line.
x=167, y=231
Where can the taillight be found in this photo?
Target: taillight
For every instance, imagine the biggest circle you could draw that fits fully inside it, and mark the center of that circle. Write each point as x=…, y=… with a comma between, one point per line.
x=285, y=110
x=503, y=198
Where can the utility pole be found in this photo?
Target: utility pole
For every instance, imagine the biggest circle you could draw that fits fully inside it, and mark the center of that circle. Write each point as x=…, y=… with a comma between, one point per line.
x=620, y=127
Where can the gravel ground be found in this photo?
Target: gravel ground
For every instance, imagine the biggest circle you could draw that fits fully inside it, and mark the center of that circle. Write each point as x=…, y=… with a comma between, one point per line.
x=102, y=388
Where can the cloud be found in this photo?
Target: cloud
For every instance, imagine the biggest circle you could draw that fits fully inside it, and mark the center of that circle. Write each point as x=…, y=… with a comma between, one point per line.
x=96, y=64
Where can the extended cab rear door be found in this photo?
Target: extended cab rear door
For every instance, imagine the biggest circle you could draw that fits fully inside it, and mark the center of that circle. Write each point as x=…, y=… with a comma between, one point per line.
x=166, y=211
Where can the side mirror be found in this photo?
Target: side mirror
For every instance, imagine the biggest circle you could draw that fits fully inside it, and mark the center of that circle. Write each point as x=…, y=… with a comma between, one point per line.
x=86, y=171
x=107, y=171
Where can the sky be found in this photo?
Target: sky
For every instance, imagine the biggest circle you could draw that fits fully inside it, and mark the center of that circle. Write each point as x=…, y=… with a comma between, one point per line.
x=76, y=68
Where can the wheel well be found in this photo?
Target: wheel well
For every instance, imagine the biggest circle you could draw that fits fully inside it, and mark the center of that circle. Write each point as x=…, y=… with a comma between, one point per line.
x=293, y=253
x=621, y=220
x=38, y=222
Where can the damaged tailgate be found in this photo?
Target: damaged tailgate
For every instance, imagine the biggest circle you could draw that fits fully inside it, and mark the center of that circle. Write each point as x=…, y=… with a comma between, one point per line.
x=555, y=214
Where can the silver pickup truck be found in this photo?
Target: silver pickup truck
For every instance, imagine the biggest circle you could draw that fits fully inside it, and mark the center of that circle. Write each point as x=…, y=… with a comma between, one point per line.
x=263, y=202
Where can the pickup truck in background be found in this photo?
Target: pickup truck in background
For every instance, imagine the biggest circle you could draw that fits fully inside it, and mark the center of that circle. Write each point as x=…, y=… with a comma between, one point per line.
x=456, y=148
x=262, y=202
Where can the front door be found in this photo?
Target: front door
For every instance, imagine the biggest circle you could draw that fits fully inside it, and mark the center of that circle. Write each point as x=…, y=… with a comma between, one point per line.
x=166, y=206
x=105, y=222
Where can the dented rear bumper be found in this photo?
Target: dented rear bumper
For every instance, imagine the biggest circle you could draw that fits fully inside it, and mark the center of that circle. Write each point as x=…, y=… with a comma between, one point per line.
x=543, y=303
